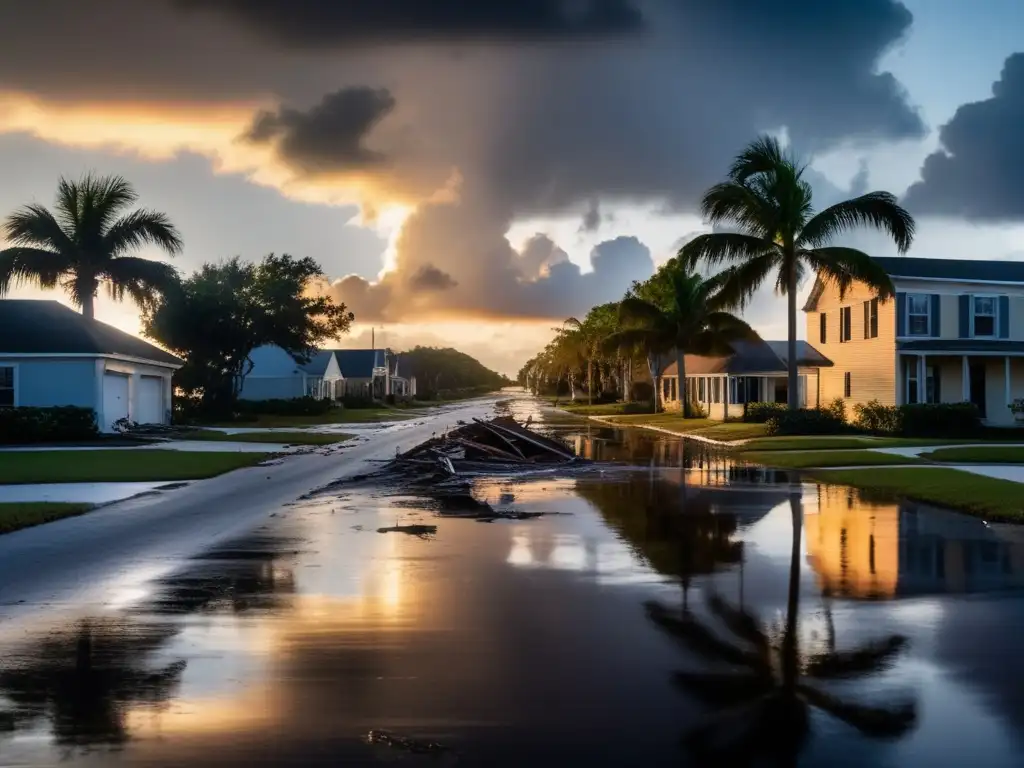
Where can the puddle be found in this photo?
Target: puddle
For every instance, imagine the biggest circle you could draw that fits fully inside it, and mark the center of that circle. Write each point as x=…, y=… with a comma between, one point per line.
x=660, y=612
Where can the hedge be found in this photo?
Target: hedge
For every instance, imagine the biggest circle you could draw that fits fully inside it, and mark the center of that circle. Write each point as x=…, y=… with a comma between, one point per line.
x=918, y=419
x=759, y=413
x=806, y=421
x=60, y=424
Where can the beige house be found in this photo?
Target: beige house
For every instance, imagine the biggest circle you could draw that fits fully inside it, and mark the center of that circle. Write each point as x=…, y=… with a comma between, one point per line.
x=954, y=333
x=755, y=371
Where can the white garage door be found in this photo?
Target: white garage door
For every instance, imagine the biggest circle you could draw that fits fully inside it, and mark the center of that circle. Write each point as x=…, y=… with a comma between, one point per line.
x=151, y=401
x=115, y=398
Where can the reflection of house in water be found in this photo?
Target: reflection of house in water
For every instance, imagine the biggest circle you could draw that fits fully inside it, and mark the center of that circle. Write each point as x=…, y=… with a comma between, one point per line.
x=874, y=550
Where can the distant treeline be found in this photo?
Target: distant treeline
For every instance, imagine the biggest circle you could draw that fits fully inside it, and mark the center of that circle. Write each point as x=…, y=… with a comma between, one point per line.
x=442, y=373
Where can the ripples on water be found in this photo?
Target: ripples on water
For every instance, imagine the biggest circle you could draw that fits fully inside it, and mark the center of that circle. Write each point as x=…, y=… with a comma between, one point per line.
x=661, y=619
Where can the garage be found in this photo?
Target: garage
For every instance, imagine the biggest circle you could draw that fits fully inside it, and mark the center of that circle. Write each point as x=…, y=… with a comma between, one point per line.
x=150, y=404
x=115, y=398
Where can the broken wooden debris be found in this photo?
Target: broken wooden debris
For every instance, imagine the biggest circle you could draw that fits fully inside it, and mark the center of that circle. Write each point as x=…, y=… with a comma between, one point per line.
x=422, y=531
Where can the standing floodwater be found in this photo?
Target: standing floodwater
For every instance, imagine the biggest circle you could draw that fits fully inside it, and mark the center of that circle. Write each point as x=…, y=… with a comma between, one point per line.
x=656, y=615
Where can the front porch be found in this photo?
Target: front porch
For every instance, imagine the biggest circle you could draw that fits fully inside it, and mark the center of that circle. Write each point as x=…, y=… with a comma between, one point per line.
x=990, y=380
x=723, y=396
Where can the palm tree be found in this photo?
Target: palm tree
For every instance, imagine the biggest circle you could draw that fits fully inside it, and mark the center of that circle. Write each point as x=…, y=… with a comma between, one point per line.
x=87, y=241
x=768, y=200
x=761, y=707
x=592, y=332
x=692, y=319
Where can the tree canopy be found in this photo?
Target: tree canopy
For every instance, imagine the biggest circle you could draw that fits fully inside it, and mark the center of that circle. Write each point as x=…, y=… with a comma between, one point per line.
x=88, y=242
x=440, y=371
x=220, y=314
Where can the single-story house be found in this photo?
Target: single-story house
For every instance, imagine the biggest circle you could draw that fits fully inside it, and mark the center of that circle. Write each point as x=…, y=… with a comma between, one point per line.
x=755, y=371
x=51, y=355
x=330, y=373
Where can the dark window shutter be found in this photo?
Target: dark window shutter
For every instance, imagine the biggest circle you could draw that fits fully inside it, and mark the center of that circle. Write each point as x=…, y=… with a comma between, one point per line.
x=823, y=330
x=965, y=316
x=1004, y=317
x=867, y=319
x=901, y=314
x=936, y=317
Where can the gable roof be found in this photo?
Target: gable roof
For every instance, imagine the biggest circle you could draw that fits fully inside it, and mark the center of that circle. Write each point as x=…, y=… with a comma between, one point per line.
x=359, y=363
x=317, y=365
x=750, y=357
x=34, y=327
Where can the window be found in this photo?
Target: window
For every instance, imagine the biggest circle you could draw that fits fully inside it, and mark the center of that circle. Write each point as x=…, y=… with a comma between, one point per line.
x=847, y=385
x=912, y=381
x=823, y=331
x=703, y=390
x=871, y=319
x=845, y=317
x=7, y=386
x=918, y=314
x=984, y=315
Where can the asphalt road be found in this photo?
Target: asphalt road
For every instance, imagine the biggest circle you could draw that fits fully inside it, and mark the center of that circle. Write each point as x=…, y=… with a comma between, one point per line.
x=108, y=555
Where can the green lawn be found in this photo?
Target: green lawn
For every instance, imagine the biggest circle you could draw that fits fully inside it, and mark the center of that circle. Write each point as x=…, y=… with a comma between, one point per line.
x=287, y=438
x=831, y=458
x=986, y=497
x=336, y=416
x=830, y=442
x=733, y=430
x=604, y=409
x=15, y=515
x=118, y=466
x=989, y=454
x=709, y=428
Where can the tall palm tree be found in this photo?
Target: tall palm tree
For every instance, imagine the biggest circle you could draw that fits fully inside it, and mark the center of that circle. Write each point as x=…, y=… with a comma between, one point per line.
x=88, y=241
x=592, y=332
x=692, y=319
x=768, y=200
x=760, y=708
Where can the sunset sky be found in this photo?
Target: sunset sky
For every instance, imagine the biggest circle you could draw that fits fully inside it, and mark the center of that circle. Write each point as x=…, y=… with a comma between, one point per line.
x=470, y=173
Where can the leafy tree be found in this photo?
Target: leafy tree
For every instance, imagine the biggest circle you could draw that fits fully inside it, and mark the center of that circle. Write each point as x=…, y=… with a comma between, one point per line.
x=87, y=242
x=760, y=708
x=768, y=200
x=690, y=317
x=447, y=370
x=219, y=315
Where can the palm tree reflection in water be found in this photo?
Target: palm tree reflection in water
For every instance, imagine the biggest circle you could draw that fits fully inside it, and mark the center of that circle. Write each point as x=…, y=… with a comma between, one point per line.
x=760, y=708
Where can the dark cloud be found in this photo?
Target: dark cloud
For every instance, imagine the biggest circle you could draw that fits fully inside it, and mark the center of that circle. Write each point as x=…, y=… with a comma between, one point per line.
x=538, y=256
x=430, y=278
x=976, y=174
x=330, y=136
x=305, y=23
x=592, y=218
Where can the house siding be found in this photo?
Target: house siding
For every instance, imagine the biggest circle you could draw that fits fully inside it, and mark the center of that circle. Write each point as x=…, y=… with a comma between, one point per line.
x=871, y=362
x=45, y=383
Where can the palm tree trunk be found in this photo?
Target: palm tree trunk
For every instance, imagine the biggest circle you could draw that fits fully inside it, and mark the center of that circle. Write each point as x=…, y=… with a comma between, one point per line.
x=790, y=653
x=88, y=306
x=793, y=395
x=681, y=382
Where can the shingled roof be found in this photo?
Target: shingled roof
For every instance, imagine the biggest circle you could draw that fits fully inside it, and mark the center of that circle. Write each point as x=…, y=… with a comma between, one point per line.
x=953, y=269
x=33, y=327
x=761, y=357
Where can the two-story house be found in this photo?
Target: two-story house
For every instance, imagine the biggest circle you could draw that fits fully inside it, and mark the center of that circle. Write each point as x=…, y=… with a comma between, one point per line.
x=954, y=333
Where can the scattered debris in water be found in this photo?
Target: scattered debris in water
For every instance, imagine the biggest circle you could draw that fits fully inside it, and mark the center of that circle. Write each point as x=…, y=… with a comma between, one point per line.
x=415, y=746
x=416, y=529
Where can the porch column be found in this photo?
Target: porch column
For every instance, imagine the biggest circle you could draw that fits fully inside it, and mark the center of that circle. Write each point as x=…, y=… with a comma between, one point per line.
x=725, y=397
x=901, y=387
x=764, y=391
x=1006, y=383
x=922, y=384
x=966, y=382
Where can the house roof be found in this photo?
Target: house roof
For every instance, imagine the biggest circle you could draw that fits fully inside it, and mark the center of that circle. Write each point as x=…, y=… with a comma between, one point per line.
x=317, y=365
x=953, y=269
x=33, y=327
x=359, y=363
x=750, y=357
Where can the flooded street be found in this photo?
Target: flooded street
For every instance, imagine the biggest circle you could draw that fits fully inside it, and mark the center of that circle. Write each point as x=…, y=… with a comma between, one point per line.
x=656, y=614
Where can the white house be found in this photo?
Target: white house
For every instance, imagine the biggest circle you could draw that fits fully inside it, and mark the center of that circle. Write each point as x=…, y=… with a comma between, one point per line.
x=51, y=355
x=330, y=373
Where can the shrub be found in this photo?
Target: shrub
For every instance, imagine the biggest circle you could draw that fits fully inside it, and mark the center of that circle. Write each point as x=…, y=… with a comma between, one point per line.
x=641, y=392
x=878, y=419
x=837, y=408
x=939, y=419
x=67, y=423
x=296, y=406
x=694, y=410
x=760, y=413
x=806, y=421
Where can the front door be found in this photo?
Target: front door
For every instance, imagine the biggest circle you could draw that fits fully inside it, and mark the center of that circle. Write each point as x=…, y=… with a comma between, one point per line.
x=978, y=387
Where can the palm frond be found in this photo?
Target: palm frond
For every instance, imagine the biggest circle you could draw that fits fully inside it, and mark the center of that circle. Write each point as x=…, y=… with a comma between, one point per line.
x=640, y=311
x=718, y=247
x=140, y=228
x=739, y=283
x=722, y=689
x=878, y=722
x=36, y=227
x=874, y=657
x=763, y=155
x=732, y=202
x=19, y=266
x=142, y=279
x=572, y=322
x=741, y=623
x=699, y=639
x=875, y=209
x=842, y=267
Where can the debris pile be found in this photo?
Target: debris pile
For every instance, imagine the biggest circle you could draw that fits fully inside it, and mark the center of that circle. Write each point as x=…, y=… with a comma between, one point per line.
x=500, y=444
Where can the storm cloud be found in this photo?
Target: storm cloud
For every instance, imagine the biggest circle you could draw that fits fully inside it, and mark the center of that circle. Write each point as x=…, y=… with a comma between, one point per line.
x=976, y=173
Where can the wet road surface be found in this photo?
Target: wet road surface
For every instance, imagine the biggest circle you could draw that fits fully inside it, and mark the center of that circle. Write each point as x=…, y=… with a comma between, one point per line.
x=655, y=616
